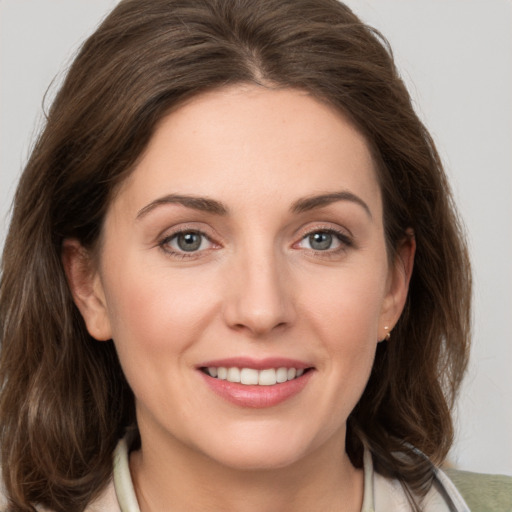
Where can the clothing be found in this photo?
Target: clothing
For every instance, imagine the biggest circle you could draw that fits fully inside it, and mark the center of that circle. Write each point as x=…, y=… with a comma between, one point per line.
x=483, y=493
x=380, y=494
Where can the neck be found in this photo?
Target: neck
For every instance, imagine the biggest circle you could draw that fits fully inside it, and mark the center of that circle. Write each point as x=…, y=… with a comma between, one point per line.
x=178, y=478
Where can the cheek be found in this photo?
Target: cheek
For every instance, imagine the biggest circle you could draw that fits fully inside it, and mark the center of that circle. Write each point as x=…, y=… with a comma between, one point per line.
x=155, y=310
x=156, y=318
x=347, y=303
x=343, y=314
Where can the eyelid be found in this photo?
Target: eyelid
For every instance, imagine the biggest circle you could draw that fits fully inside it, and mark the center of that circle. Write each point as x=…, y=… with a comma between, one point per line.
x=176, y=236
x=169, y=234
x=344, y=236
x=185, y=227
x=311, y=228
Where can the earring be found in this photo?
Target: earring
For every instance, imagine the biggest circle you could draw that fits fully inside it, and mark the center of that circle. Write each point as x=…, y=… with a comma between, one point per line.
x=387, y=336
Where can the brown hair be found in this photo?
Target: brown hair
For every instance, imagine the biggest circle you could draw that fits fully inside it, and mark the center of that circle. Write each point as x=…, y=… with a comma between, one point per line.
x=64, y=400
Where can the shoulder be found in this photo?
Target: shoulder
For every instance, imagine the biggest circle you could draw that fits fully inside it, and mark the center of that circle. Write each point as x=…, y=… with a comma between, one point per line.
x=483, y=493
x=105, y=502
x=3, y=497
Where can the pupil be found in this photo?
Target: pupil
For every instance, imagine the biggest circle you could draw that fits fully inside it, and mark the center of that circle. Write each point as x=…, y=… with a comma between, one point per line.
x=189, y=241
x=320, y=241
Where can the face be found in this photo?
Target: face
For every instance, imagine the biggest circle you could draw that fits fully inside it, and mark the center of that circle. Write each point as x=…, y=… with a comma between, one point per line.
x=247, y=244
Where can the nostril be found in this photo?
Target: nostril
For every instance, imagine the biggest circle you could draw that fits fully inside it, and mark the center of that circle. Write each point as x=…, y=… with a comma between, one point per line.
x=258, y=302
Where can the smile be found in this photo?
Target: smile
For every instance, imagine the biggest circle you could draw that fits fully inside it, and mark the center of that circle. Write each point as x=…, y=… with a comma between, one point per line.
x=256, y=383
x=253, y=377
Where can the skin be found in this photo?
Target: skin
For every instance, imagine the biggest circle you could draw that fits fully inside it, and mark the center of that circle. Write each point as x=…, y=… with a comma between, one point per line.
x=256, y=287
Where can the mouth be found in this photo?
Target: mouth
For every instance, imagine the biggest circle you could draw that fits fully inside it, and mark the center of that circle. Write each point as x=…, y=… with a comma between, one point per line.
x=255, y=377
x=251, y=383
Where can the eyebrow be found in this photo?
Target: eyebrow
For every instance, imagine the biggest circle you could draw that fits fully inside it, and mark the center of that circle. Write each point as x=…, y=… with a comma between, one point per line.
x=321, y=200
x=203, y=204
x=208, y=205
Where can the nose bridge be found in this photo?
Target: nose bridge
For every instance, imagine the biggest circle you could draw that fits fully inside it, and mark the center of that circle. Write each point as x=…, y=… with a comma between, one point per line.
x=259, y=298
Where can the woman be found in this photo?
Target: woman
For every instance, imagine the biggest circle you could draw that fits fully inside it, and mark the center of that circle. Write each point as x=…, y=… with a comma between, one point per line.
x=246, y=278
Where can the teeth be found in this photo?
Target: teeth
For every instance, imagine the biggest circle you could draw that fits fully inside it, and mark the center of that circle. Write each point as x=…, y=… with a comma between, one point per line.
x=233, y=375
x=252, y=377
x=267, y=377
x=282, y=374
x=248, y=376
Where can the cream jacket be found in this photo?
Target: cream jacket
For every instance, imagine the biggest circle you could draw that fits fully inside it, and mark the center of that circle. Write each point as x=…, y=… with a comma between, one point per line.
x=487, y=493
x=380, y=494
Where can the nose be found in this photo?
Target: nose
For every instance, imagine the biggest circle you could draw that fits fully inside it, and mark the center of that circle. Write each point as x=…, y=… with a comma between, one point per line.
x=259, y=295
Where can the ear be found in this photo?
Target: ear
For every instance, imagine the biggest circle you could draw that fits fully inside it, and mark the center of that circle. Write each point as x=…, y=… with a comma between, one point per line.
x=86, y=287
x=400, y=272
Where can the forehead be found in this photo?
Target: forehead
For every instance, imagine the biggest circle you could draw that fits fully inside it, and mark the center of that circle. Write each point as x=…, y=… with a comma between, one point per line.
x=249, y=141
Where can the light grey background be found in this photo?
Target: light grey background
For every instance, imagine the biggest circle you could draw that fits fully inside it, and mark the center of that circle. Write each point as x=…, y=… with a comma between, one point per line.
x=456, y=57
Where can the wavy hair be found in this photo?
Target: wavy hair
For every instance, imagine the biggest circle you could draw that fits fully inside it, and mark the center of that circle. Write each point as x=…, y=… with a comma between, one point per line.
x=64, y=400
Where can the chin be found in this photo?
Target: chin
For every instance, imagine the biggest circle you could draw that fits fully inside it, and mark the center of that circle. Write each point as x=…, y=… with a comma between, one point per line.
x=258, y=460
x=262, y=451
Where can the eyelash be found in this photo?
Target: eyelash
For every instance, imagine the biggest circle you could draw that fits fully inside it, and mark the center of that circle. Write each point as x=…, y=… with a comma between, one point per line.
x=182, y=255
x=345, y=241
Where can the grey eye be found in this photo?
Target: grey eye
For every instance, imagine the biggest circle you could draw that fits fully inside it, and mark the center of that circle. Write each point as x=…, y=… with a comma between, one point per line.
x=189, y=241
x=320, y=241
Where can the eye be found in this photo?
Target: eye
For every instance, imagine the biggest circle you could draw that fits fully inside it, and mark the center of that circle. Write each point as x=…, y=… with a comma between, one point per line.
x=186, y=242
x=325, y=240
x=320, y=241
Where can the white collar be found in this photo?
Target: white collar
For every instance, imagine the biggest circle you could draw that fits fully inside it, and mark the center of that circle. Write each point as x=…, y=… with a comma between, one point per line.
x=380, y=494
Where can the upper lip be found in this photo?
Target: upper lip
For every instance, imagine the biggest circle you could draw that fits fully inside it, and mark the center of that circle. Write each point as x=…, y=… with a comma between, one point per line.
x=256, y=364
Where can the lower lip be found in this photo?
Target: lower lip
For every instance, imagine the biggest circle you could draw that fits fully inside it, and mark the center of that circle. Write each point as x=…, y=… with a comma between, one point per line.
x=257, y=397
